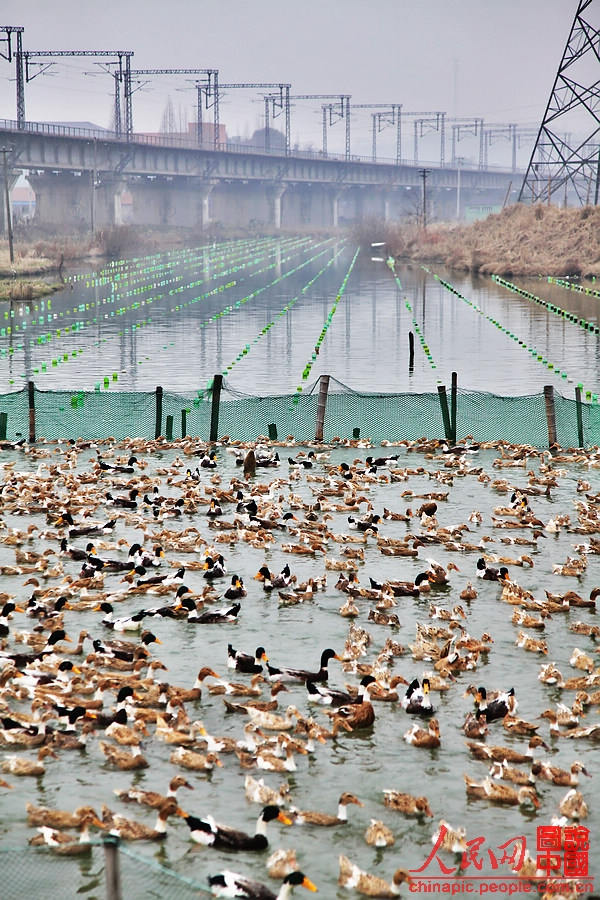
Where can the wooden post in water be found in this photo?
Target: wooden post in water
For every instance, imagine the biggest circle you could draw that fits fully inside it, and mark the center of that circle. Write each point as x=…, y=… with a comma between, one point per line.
x=445, y=411
x=550, y=416
x=159, y=401
x=411, y=351
x=169, y=428
x=579, y=416
x=183, y=422
x=453, y=392
x=214, y=412
x=31, y=396
x=322, y=406
x=111, y=867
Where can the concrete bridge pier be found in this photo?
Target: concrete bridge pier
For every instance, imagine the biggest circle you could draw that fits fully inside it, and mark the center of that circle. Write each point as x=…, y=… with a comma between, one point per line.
x=274, y=194
x=13, y=177
x=73, y=201
x=334, y=195
x=178, y=202
x=205, y=189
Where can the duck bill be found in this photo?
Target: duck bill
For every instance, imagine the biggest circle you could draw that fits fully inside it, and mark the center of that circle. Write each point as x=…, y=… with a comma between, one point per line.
x=585, y=772
x=259, y=577
x=157, y=640
x=68, y=639
x=285, y=819
x=76, y=670
x=98, y=823
x=218, y=763
x=308, y=884
x=19, y=609
x=214, y=674
x=535, y=802
x=338, y=657
x=181, y=813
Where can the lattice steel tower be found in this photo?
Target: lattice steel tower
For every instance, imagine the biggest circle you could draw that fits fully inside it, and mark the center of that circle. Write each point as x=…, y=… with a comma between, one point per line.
x=566, y=157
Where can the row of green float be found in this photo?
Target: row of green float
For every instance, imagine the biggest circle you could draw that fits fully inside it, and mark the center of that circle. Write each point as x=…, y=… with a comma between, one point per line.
x=557, y=310
x=326, y=324
x=68, y=330
x=282, y=312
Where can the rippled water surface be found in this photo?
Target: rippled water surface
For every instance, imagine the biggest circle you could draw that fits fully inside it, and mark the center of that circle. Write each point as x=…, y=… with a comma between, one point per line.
x=364, y=763
x=255, y=310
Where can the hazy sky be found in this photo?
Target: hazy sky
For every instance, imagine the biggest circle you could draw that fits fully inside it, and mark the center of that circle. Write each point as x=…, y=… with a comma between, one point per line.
x=490, y=58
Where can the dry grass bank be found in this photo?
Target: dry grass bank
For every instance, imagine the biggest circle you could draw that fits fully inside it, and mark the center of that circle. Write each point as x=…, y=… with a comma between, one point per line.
x=521, y=240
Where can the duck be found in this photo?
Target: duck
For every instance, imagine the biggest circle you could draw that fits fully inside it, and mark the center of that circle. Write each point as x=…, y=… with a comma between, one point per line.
x=287, y=674
x=468, y=593
x=429, y=739
x=123, y=623
x=214, y=567
x=130, y=830
x=19, y=765
x=230, y=884
x=370, y=885
x=417, y=698
x=498, y=754
x=153, y=798
x=564, y=777
x=236, y=590
x=489, y=573
x=210, y=617
x=195, y=762
x=125, y=469
x=573, y=806
x=497, y=708
x=379, y=835
x=64, y=844
x=244, y=662
x=501, y=793
x=437, y=574
x=449, y=838
x=271, y=721
x=258, y=792
x=311, y=817
x=270, y=581
x=282, y=862
x=56, y=818
x=208, y=832
x=353, y=717
x=326, y=696
x=270, y=762
x=407, y=803
x=123, y=760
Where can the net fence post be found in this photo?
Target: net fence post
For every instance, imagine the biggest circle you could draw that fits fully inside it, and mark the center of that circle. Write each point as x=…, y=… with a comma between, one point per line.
x=550, y=415
x=183, y=423
x=3, y=425
x=453, y=393
x=214, y=412
x=31, y=398
x=169, y=428
x=411, y=350
x=322, y=406
x=445, y=411
x=111, y=867
x=159, y=405
x=579, y=416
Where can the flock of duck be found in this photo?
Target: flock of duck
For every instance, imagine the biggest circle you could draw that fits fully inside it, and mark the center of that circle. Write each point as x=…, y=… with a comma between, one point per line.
x=108, y=694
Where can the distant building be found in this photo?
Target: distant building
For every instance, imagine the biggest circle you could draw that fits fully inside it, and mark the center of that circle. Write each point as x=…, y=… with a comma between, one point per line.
x=22, y=202
x=257, y=141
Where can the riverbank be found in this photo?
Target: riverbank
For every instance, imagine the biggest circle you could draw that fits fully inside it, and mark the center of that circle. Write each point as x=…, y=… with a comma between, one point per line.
x=520, y=240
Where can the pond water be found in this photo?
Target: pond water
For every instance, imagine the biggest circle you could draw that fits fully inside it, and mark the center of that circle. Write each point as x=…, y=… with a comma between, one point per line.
x=364, y=763
x=254, y=309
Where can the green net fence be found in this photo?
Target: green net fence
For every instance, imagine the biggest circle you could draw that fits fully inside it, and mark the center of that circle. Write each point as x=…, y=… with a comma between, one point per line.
x=207, y=414
x=35, y=872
